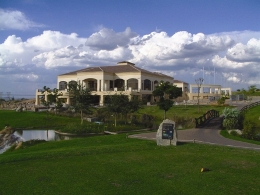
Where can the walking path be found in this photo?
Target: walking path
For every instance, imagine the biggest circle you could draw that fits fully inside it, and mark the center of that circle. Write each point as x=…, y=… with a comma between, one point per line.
x=208, y=135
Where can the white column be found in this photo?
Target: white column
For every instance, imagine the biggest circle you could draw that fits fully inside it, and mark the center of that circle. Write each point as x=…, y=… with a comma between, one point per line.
x=45, y=96
x=201, y=90
x=101, y=100
x=98, y=85
x=102, y=84
x=68, y=101
x=139, y=84
x=105, y=85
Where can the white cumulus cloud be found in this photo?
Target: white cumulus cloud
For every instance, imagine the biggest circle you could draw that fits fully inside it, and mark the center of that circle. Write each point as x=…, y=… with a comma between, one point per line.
x=14, y=19
x=183, y=55
x=108, y=39
x=245, y=53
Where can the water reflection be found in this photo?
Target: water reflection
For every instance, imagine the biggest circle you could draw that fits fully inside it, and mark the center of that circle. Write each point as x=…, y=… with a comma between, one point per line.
x=26, y=135
x=48, y=135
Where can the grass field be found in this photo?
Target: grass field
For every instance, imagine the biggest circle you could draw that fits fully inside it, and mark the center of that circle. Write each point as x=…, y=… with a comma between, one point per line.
x=39, y=120
x=116, y=165
x=180, y=111
x=33, y=120
x=254, y=115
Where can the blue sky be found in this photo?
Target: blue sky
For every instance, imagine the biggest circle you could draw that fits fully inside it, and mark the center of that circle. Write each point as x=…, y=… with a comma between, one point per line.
x=40, y=39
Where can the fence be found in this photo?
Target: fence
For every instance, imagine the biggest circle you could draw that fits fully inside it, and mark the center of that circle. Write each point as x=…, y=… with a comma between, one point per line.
x=249, y=106
x=202, y=120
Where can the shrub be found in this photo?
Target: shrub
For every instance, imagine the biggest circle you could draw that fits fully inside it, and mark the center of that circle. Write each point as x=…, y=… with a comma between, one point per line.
x=230, y=123
x=230, y=112
x=234, y=133
x=147, y=120
x=221, y=101
x=231, y=118
x=249, y=131
x=76, y=128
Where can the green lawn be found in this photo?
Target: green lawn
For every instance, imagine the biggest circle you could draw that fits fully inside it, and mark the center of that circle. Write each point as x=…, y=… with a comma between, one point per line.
x=254, y=115
x=180, y=110
x=33, y=120
x=39, y=120
x=116, y=165
x=181, y=114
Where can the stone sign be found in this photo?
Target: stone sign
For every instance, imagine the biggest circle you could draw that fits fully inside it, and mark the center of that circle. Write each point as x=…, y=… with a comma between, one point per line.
x=166, y=133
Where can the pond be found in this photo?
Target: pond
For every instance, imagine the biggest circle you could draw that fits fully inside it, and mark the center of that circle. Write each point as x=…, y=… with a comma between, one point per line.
x=26, y=135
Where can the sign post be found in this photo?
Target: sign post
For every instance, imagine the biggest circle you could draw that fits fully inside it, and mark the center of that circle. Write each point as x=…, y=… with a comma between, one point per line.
x=166, y=134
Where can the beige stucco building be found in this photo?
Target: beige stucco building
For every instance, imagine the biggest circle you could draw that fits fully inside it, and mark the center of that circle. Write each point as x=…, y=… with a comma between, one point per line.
x=124, y=78
x=208, y=91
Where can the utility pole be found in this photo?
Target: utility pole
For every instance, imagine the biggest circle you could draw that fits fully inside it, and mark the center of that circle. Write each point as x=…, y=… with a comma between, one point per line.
x=199, y=82
x=8, y=95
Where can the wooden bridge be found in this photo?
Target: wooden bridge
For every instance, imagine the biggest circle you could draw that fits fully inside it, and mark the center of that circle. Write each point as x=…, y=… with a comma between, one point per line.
x=205, y=118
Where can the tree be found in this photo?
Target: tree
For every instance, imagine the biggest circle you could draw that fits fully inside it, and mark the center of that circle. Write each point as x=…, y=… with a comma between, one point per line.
x=166, y=91
x=131, y=106
x=121, y=104
x=250, y=92
x=81, y=97
x=199, y=82
x=52, y=98
x=116, y=104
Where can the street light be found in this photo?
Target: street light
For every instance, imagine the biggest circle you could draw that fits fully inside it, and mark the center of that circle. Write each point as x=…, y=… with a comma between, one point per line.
x=199, y=82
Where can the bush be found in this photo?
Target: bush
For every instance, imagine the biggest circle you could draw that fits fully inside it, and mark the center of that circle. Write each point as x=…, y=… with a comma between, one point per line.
x=184, y=121
x=147, y=120
x=231, y=118
x=221, y=101
x=230, y=123
x=249, y=131
x=234, y=133
x=81, y=129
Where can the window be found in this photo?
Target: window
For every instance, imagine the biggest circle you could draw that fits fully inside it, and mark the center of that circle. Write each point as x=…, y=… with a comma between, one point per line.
x=62, y=85
x=147, y=84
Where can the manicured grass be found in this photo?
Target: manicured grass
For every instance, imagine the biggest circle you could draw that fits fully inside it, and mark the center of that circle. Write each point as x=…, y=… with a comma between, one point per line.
x=225, y=134
x=116, y=165
x=180, y=112
x=41, y=120
x=253, y=114
x=33, y=120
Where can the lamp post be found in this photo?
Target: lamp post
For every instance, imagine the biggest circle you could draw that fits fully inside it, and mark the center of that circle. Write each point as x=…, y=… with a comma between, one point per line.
x=199, y=82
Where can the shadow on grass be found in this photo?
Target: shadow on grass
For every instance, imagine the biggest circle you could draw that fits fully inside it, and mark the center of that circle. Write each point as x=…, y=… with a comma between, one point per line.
x=180, y=143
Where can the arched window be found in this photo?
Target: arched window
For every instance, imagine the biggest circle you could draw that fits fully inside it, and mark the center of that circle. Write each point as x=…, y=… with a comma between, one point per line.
x=62, y=85
x=73, y=84
x=119, y=83
x=133, y=83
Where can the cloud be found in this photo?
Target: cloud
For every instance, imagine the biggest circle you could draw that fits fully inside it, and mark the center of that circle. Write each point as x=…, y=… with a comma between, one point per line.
x=245, y=53
x=182, y=45
x=16, y=20
x=15, y=51
x=108, y=39
x=29, y=77
x=182, y=55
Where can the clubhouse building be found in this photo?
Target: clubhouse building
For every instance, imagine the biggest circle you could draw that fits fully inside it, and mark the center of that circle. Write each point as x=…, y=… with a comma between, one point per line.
x=125, y=78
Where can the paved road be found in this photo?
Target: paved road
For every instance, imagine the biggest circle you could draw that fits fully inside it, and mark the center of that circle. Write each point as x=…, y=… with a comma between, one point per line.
x=208, y=135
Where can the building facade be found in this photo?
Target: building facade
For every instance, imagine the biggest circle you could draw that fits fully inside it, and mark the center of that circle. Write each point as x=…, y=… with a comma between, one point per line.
x=125, y=78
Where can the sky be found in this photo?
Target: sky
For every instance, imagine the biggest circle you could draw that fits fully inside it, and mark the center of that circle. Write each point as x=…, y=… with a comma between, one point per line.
x=186, y=39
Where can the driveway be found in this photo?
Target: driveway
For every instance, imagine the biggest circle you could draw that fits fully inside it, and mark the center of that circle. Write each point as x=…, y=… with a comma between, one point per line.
x=201, y=135
x=208, y=135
